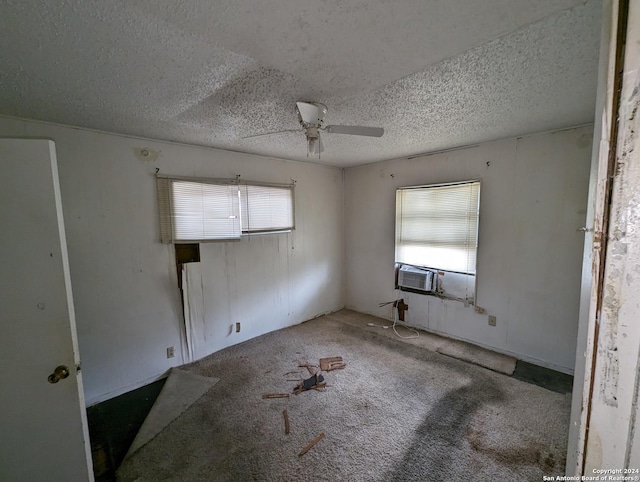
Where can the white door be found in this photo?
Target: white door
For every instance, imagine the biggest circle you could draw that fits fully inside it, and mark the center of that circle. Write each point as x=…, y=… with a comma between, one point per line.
x=43, y=429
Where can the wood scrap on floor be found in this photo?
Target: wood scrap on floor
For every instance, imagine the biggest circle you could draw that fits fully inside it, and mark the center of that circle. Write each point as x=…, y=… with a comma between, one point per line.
x=320, y=387
x=275, y=395
x=311, y=444
x=331, y=363
x=286, y=421
x=316, y=381
x=312, y=383
x=312, y=368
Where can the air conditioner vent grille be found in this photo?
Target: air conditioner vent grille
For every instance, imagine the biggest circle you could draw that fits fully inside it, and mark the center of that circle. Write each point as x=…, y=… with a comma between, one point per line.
x=415, y=278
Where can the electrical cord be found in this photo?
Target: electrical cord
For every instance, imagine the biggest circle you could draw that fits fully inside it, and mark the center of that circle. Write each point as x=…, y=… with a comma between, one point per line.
x=396, y=321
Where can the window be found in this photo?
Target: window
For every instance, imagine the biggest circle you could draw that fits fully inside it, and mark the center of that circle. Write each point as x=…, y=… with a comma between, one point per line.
x=209, y=210
x=437, y=226
x=266, y=208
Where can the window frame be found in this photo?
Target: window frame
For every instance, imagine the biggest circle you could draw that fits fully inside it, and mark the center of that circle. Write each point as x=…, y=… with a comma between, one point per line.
x=439, y=185
x=164, y=199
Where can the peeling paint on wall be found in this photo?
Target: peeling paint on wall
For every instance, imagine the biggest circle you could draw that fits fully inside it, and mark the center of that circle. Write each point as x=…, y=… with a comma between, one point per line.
x=622, y=259
x=610, y=375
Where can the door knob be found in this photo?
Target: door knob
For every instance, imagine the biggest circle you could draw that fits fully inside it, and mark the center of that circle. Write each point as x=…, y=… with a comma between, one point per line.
x=58, y=374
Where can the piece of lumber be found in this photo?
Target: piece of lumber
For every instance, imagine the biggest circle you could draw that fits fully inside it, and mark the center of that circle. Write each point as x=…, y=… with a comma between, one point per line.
x=331, y=359
x=331, y=363
x=275, y=395
x=319, y=386
x=286, y=421
x=311, y=444
x=311, y=368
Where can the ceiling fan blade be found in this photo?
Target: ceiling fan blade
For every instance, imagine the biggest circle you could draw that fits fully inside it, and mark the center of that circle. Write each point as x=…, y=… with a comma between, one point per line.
x=356, y=130
x=271, y=133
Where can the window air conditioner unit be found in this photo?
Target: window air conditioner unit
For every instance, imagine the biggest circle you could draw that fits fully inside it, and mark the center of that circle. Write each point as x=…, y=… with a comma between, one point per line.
x=415, y=278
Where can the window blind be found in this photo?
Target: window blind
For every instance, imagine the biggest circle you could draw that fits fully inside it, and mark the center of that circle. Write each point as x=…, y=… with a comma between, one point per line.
x=266, y=208
x=437, y=226
x=198, y=211
x=203, y=210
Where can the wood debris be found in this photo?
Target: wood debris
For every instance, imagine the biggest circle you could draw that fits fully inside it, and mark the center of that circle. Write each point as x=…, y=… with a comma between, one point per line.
x=318, y=386
x=312, y=368
x=275, y=395
x=311, y=444
x=286, y=421
x=331, y=363
x=314, y=382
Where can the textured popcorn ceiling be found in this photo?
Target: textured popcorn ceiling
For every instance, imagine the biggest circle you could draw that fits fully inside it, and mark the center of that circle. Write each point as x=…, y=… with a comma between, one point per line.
x=434, y=74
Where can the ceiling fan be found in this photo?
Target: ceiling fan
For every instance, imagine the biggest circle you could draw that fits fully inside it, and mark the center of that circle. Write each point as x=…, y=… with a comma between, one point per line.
x=311, y=118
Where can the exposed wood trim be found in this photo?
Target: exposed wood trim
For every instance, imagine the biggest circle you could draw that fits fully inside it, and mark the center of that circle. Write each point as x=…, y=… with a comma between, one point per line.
x=601, y=237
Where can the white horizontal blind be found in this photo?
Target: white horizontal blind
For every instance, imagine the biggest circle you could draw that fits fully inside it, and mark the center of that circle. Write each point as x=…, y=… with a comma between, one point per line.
x=202, y=211
x=437, y=226
x=266, y=208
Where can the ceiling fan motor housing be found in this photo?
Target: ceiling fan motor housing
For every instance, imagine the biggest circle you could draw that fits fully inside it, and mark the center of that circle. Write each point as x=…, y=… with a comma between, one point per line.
x=312, y=133
x=311, y=114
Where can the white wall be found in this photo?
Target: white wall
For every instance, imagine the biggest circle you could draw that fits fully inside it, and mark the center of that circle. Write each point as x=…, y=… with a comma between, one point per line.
x=124, y=280
x=533, y=200
x=127, y=302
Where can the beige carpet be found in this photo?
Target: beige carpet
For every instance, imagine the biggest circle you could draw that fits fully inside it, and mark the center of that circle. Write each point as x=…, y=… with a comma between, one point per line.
x=447, y=346
x=398, y=411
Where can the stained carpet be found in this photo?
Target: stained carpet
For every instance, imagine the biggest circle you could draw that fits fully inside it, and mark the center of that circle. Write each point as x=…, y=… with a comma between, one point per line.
x=396, y=412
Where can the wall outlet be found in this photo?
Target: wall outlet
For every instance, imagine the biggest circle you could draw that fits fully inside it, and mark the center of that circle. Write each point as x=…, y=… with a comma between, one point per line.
x=170, y=352
x=237, y=327
x=492, y=320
